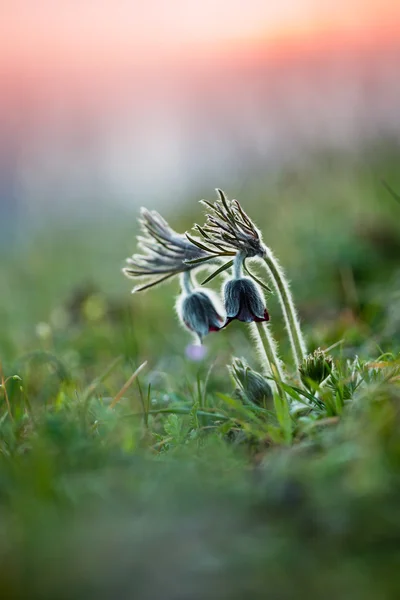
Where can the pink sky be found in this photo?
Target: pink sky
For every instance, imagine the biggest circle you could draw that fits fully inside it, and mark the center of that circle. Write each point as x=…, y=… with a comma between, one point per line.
x=109, y=32
x=127, y=97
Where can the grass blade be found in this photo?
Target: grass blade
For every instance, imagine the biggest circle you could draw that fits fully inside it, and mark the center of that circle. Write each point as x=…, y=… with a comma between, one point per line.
x=218, y=271
x=261, y=283
x=126, y=386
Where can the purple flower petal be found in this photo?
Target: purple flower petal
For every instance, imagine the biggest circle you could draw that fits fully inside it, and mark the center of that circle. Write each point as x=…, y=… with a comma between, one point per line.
x=195, y=352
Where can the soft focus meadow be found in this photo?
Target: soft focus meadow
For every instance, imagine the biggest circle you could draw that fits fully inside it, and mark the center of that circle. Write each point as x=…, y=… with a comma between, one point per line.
x=134, y=462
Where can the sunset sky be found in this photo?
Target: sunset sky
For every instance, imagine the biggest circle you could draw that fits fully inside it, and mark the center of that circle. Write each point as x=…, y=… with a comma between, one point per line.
x=122, y=97
x=105, y=32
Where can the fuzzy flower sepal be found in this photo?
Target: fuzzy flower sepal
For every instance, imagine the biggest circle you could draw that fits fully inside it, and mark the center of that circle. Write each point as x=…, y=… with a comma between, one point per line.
x=198, y=313
x=244, y=301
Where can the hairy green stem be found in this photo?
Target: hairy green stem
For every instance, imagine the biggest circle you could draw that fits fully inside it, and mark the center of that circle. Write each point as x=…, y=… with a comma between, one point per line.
x=238, y=265
x=187, y=283
x=268, y=347
x=284, y=294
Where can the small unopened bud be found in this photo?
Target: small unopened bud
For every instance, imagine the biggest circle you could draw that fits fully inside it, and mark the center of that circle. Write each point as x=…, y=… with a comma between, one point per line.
x=198, y=313
x=316, y=368
x=251, y=385
x=244, y=301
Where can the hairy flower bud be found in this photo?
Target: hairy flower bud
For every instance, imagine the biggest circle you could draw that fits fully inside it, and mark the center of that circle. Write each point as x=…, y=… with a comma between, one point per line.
x=244, y=301
x=251, y=385
x=198, y=313
x=316, y=368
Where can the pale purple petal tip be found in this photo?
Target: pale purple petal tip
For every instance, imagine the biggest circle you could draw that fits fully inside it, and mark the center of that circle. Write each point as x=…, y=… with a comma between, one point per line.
x=195, y=352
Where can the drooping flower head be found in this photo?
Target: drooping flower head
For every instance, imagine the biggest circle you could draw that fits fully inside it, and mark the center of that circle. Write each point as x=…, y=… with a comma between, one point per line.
x=229, y=231
x=164, y=252
x=197, y=311
x=244, y=301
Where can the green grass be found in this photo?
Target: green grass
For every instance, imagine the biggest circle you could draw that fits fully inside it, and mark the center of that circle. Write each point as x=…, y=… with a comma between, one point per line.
x=183, y=489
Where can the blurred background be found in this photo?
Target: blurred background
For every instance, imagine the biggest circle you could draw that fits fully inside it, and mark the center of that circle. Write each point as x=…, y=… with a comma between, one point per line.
x=109, y=103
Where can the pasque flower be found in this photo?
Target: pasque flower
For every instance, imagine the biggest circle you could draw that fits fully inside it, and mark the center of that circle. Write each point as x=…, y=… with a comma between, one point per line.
x=244, y=301
x=165, y=254
x=198, y=313
x=230, y=232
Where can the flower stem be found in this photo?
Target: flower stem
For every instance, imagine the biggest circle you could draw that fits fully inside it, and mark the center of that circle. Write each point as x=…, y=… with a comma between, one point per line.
x=281, y=403
x=186, y=282
x=284, y=294
x=238, y=265
x=268, y=347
